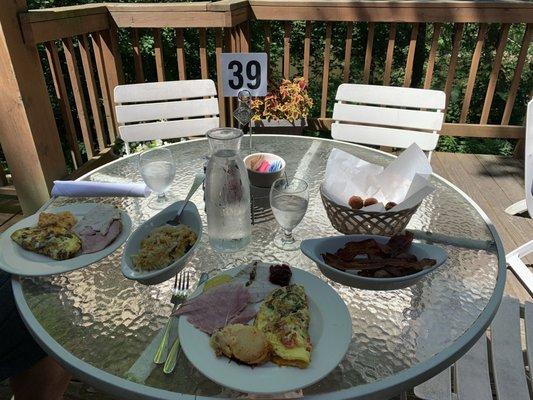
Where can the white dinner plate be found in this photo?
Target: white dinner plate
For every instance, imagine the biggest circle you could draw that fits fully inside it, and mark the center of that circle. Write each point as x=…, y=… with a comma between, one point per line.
x=330, y=330
x=15, y=260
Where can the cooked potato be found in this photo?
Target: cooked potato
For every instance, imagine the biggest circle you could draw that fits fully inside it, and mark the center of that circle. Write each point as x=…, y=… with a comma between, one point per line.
x=245, y=343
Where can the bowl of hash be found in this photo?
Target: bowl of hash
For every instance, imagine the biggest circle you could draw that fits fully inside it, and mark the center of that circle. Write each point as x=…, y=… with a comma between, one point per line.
x=155, y=251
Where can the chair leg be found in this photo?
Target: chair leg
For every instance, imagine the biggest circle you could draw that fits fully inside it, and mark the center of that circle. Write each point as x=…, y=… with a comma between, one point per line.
x=521, y=271
x=517, y=208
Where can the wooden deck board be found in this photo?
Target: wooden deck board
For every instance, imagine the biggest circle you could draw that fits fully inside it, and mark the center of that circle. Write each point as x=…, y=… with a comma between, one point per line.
x=494, y=183
x=508, y=172
x=13, y=219
x=10, y=212
x=4, y=217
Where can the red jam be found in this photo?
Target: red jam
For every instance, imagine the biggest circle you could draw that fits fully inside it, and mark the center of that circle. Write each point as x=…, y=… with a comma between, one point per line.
x=280, y=274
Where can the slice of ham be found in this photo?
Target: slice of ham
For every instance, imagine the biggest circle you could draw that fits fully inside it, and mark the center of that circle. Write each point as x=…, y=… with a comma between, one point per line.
x=217, y=307
x=245, y=315
x=98, y=228
x=91, y=243
x=99, y=219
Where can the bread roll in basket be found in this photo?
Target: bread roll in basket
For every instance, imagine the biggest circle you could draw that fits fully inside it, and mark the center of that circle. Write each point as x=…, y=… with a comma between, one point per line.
x=350, y=222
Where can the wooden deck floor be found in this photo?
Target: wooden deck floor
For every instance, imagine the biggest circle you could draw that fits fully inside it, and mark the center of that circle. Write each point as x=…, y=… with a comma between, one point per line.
x=493, y=182
x=10, y=212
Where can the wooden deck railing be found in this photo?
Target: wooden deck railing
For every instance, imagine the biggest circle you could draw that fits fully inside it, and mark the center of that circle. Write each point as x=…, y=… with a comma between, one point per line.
x=81, y=50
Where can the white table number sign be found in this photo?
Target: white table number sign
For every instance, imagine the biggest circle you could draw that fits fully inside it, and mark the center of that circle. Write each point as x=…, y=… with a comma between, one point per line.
x=244, y=71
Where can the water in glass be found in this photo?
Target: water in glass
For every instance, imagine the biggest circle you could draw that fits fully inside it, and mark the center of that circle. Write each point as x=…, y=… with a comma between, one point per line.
x=227, y=192
x=288, y=210
x=158, y=175
x=158, y=170
x=289, y=199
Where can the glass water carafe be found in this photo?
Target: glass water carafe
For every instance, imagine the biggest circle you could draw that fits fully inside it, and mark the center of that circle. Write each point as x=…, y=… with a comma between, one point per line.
x=227, y=192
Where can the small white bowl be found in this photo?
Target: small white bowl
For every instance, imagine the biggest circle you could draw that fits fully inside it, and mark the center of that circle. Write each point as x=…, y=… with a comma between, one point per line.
x=264, y=179
x=314, y=248
x=190, y=217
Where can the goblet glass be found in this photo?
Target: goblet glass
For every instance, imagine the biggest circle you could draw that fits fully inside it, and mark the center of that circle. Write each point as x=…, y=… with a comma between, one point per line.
x=288, y=198
x=158, y=170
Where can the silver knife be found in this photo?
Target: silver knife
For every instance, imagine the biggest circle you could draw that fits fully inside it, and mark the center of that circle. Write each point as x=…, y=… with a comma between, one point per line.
x=172, y=357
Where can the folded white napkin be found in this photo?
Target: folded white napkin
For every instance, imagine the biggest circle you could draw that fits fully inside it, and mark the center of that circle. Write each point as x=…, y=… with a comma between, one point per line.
x=99, y=189
x=404, y=181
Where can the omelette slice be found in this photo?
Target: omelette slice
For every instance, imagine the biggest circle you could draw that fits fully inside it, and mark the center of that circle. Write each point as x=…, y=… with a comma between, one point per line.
x=65, y=219
x=53, y=241
x=284, y=319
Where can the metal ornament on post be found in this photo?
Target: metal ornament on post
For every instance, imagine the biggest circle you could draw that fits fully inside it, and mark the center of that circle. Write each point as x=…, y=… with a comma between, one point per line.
x=243, y=114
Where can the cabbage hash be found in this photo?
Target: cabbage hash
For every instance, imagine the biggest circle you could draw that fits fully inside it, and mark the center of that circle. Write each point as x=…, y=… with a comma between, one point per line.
x=163, y=246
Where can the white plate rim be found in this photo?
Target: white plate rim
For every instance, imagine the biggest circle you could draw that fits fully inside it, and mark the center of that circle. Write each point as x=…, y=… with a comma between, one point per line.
x=48, y=265
x=338, y=336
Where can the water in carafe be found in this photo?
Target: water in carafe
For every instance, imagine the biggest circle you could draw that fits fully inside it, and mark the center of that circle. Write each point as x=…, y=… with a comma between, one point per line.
x=227, y=192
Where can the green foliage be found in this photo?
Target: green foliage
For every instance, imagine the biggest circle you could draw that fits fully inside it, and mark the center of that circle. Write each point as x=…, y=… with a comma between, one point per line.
x=359, y=37
x=477, y=146
x=288, y=100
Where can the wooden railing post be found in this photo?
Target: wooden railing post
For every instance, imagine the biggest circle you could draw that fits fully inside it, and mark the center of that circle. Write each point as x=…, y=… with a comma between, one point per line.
x=28, y=132
x=113, y=66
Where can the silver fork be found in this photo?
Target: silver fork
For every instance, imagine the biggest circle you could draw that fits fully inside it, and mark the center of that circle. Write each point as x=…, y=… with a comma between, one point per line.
x=181, y=284
x=172, y=358
x=179, y=294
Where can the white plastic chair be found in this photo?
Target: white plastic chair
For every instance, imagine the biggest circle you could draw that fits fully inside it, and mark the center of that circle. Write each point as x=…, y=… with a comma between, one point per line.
x=165, y=110
x=388, y=116
x=514, y=258
x=526, y=204
x=471, y=373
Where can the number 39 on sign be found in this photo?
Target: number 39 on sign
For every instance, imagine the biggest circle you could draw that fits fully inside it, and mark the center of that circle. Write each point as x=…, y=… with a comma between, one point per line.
x=244, y=71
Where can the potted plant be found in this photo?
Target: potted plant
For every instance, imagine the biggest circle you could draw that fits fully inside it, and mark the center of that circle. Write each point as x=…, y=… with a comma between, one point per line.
x=284, y=109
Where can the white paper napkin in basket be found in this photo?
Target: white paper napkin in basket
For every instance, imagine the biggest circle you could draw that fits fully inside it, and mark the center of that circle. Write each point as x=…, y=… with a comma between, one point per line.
x=404, y=181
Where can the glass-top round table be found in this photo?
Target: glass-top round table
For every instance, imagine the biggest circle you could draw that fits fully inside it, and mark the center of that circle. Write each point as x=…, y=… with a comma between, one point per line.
x=103, y=327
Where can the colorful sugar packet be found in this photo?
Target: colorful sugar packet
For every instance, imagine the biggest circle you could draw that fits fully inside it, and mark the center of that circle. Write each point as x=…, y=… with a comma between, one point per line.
x=260, y=164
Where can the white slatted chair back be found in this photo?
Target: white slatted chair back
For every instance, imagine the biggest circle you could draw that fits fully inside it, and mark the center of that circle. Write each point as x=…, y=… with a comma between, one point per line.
x=165, y=110
x=528, y=159
x=388, y=116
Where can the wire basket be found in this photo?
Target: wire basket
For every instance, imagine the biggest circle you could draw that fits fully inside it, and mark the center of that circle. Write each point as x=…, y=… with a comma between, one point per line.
x=349, y=221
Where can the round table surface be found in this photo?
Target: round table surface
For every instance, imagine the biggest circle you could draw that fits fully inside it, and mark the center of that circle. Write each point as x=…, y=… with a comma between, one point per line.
x=104, y=327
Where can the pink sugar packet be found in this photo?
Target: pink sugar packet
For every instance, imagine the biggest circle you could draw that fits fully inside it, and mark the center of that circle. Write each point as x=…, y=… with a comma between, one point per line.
x=265, y=165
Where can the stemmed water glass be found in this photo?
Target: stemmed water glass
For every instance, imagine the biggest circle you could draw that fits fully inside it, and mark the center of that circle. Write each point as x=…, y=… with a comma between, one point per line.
x=288, y=198
x=158, y=170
